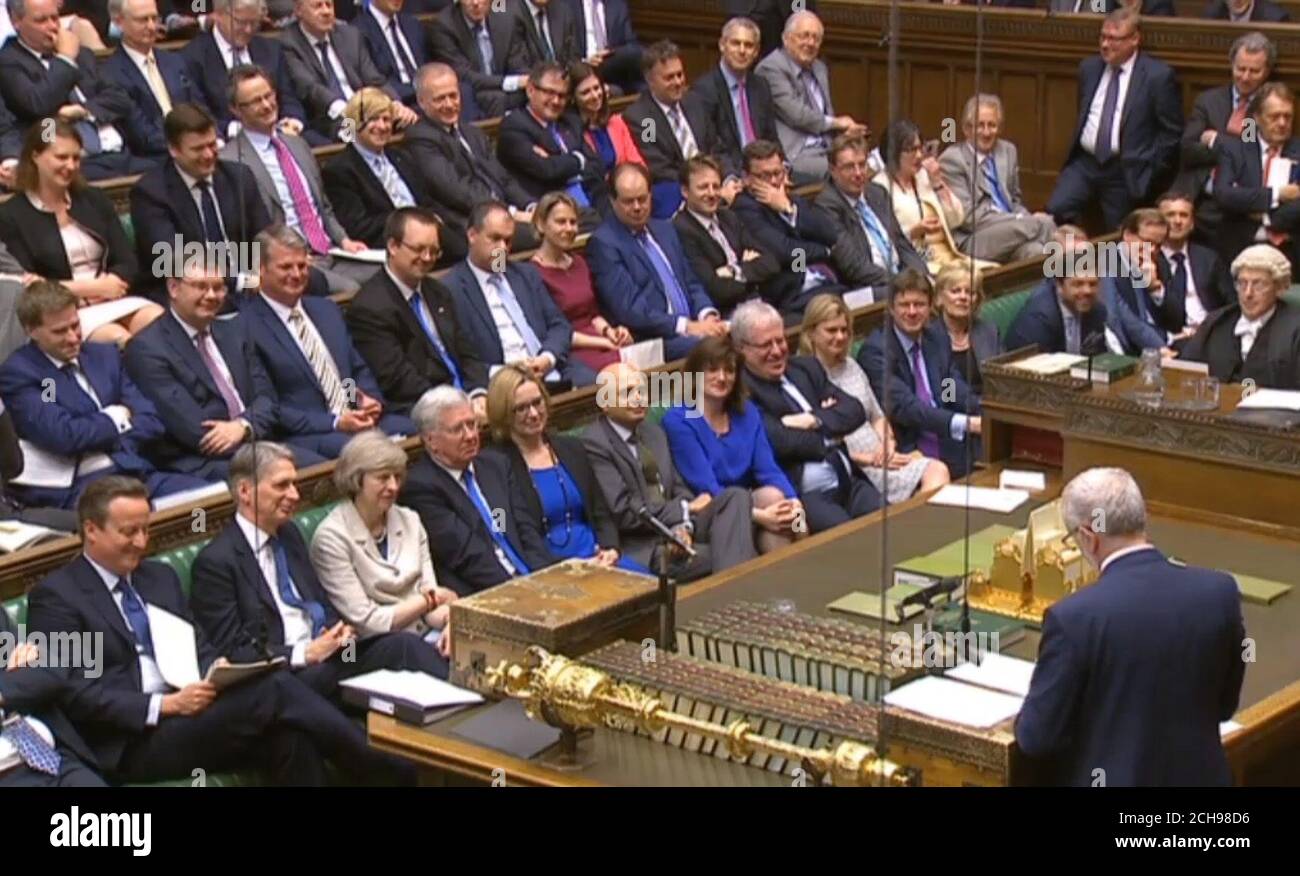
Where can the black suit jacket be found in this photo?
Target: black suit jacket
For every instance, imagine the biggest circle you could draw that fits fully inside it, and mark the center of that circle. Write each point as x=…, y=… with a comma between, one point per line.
x=32, y=235
x=623, y=66
x=810, y=241
x=1210, y=112
x=661, y=152
x=417, y=36
x=521, y=132
x=461, y=180
x=308, y=75
x=712, y=92
x=394, y=345
x=563, y=28
x=208, y=70
x=464, y=554
x=1039, y=322
x=1263, y=10
x=1274, y=360
x=110, y=711
x=11, y=134
x=454, y=44
x=794, y=447
x=232, y=600
x=1214, y=285
x=573, y=456
x=32, y=93
x=1241, y=194
x=144, y=127
x=852, y=251
x=764, y=277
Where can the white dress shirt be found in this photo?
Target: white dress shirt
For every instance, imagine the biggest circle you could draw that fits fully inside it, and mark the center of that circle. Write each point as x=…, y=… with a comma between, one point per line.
x=1248, y=330
x=686, y=142
x=88, y=463
x=336, y=108
x=590, y=41
x=1088, y=139
x=1192, y=305
x=142, y=63
x=513, y=348
x=384, y=20
x=296, y=621
x=151, y=679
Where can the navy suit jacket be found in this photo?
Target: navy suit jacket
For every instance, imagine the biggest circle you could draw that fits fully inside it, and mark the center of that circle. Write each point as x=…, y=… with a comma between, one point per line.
x=1039, y=322
x=810, y=239
x=165, y=364
x=1214, y=286
x=1134, y=675
x=67, y=421
x=521, y=133
x=377, y=43
x=713, y=94
x=623, y=66
x=208, y=70
x=1128, y=307
x=143, y=129
x=475, y=319
x=1151, y=121
x=627, y=285
x=300, y=402
x=32, y=93
x=361, y=203
x=110, y=711
x=1240, y=192
x=11, y=134
x=460, y=542
x=232, y=600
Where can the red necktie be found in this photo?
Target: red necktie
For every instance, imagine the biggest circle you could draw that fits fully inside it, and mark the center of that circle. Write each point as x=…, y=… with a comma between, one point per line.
x=1238, y=118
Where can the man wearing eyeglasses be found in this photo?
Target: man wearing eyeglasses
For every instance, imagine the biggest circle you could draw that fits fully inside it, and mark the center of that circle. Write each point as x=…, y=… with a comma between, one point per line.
x=404, y=323
x=1129, y=126
x=1135, y=671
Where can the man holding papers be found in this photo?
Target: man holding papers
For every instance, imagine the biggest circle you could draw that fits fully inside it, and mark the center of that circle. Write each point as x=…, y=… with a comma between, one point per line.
x=1136, y=671
x=142, y=706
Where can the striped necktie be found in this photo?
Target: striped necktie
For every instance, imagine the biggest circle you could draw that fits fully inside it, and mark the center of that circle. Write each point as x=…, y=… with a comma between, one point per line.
x=321, y=362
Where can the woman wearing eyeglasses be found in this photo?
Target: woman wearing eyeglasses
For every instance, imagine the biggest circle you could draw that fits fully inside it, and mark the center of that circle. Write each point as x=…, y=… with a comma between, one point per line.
x=564, y=495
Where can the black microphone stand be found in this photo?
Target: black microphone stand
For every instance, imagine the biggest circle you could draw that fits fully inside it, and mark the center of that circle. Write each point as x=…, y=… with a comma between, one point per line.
x=667, y=587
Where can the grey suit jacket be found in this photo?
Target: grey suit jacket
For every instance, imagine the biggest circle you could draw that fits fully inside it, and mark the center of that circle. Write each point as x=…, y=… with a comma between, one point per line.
x=852, y=252
x=623, y=484
x=797, y=116
x=241, y=150
x=972, y=190
x=308, y=76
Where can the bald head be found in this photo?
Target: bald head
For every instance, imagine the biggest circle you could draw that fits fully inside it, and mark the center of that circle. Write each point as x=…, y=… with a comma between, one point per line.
x=621, y=394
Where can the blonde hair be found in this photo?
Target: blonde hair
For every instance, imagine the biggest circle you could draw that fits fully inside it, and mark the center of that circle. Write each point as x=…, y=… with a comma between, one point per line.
x=822, y=308
x=501, y=398
x=951, y=276
x=366, y=104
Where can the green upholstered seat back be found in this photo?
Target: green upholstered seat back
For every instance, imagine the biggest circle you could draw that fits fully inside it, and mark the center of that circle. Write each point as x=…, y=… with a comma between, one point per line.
x=1003, y=310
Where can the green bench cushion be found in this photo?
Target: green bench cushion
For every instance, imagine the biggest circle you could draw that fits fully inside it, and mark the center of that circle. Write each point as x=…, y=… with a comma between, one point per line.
x=1003, y=310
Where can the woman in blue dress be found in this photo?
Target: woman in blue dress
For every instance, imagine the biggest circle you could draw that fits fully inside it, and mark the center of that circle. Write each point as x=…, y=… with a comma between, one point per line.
x=721, y=442
x=564, y=495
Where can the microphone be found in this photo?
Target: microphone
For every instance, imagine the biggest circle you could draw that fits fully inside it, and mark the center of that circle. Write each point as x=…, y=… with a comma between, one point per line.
x=927, y=595
x=644, y=513
x=1093, y=345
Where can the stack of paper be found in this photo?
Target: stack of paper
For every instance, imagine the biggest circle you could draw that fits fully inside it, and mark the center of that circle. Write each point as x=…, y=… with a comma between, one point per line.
x=1016, y=479
x=416, y=688
x=1271, y=400
x=997, y=672
x=986, y=498
x=1047, y=363
x=948, y=700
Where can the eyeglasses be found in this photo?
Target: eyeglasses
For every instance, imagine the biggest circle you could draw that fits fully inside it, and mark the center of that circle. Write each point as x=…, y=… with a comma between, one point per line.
x=774, y=344
x=552, y=92
x=523, y=407
x=266, y=97
x=428, y=252
x=1253, y=285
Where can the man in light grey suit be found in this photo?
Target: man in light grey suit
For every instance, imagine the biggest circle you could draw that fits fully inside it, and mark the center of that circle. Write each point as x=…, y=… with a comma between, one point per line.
x=801, y=93
x=984, y=174
x=634, y=468
x=289, y=180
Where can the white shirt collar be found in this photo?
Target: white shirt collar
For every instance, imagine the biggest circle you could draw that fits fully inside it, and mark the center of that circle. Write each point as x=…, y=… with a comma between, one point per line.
x=31, y=51
x=253, y=534
x=227, y=49
x=621, y=431
x=312, y=41
x=533, y=9
x=1127, y=66
x=192, y=181
x=1252, y=326
x=663, y=106
x=380, y=16
x=1124, y=552
x=110, y=579
x=190, y=330
x=706, y=221
x=407, y=292
x=1170, y=252
x=279, y=309
x=481, y=275
x=261, y=142
x=59, y=363
x=456, y=473
x=138, y=57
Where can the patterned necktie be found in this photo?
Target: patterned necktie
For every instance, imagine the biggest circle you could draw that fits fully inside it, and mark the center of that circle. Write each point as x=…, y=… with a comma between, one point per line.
x=1073, y=344
x=990, y=170
x=598, y=24
x=928, y=443
x=321, y=362
x=289, y=593
x=234, y=405
x=484, y=40
x=879, y=237
x=1238, y=118
x=545, y=37
x=308, y=217
x=432, y=335
x=156, y=84
x=498, y=536
x=389, y=179
x=137, y=616
x=331, y=78
x=715, y=231
x=212, y=229
x=1102, y=150
x=405, y=65
x=649, y=467
x=31, y=746
x=511, y=304
x=682, y=131
x=676, y=297
x=746, y=120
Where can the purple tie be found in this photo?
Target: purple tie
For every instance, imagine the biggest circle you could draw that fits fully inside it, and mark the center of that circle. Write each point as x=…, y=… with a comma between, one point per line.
x=234, y=407
x=928, y=443
x=308, y=218
x=746, y=120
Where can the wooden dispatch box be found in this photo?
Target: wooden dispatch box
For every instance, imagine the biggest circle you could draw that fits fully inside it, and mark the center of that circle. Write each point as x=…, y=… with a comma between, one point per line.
x=570, y=608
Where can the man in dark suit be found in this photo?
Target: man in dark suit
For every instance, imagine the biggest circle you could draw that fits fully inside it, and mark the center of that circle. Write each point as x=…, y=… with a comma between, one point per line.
x=194, y=200
x=325, y=393
x=45, y=71
x=769, y=15
x=633, y=465
x=1136, y=290
x=1064, y=314
x=722, y=249
x=607, y=42
x=671, y=126
x=1126, y=138
x=457, y=157
x=504, y=309
x=73, y=402
x=871, y=247
x=154, y=79
x=1259, y=194
x=404, y=324
x=1256, y=337
x=12, y=463
x=1136, y=671
x=232, y=41
x=739, y=102
x=463, y=499
x=397, y=41
x=1218, y=115
x=549, y=30
x=328, y=63
x=1246, y=10
x=806, y=418
x=487, y=50
x=642, y=278
x=256, y=593
x=1194, y=279
x=11, y=144
x=909, y=363
x=543, y=153
x=204, y=378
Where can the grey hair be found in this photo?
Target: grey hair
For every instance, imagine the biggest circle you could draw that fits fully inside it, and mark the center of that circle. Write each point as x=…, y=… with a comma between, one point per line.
x=281, y=235
x=251, y=461
x=115, y=8
x=1267, y=258
x=429, y=410
x=749, y=316
x=226, y=5
x=738, y=22
x=366, y=453
x=1107, y=500
x=797, y=18
x=973, y=102
x=17, y=8
x=431, y=71
x=1253, y=42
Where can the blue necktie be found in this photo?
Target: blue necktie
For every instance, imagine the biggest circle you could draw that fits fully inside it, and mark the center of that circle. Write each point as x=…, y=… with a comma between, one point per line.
x=136, y=616
x=436, y=341
x=31, y=746
x=990, y=170
x=289, y=594
x=484, y=46
x=499, y=537
x=1101, y=150
x=212, y=232
x=574, y=189
x=331, y=78
x=879, y=237
x=677, y=303
x=511, y=304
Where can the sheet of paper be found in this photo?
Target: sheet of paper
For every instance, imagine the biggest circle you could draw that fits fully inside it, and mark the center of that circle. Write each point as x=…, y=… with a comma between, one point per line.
x=369, y=256
x=424, y=690
x=189, y=497
x=1279, y=172
x=856, y=298
x=173, y=647
x=1228, y=727
x=985, y=498
x=1017, y=479
x=1271, y=400
x=16, y=534
x=1186, y=365
x=646, y=354
x=949, y=700
x=44, y=469
x=998, y=672
x=1048, y=363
